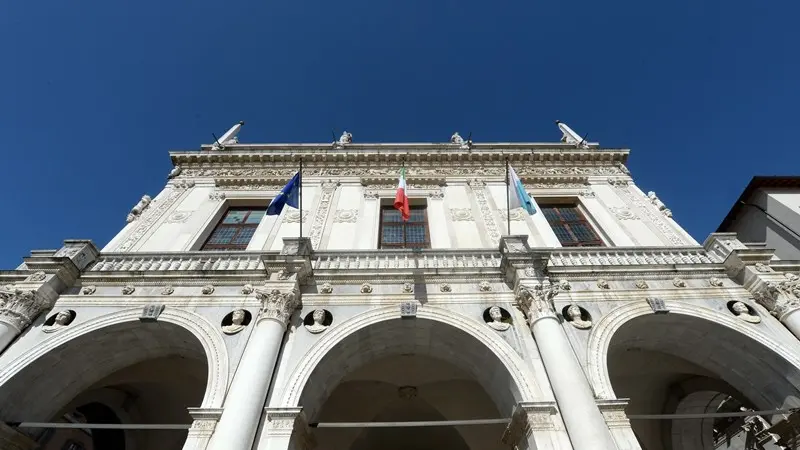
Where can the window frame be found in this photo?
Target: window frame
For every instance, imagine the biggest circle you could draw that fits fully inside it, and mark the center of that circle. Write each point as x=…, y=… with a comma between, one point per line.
x=425, y=223
x=585, y=219
x=207, y=246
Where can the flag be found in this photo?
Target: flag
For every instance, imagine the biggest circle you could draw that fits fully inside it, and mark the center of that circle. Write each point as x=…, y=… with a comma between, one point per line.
x=289, y=195
x=401, y=198
x=518, y=197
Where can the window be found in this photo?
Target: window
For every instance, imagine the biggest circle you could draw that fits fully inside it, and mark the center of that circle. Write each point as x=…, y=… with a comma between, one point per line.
x=395, y=233
x=235, y=229
x=570, y=226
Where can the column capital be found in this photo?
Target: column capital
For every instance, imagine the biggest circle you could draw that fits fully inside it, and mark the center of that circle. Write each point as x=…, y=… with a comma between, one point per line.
x=285, y=421
x=614, y=412
x=529, y=417
x=204, y=420
x=781, y=296
x=19, y=307
x=536, y=301
x=276, y=304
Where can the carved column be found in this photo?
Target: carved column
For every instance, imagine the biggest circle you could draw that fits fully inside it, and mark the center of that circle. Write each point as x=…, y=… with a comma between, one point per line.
x=286, y=428
x=782, y=299
x=18, y=309
x=585, y=423
x=532, y=427
x=237, y=427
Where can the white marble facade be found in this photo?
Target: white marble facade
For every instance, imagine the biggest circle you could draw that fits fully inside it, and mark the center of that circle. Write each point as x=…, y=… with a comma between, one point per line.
x=251, y=349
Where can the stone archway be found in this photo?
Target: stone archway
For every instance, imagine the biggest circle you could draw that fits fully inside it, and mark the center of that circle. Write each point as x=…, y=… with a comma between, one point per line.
x=689, y=360
x=438, y=366
x=146, y=372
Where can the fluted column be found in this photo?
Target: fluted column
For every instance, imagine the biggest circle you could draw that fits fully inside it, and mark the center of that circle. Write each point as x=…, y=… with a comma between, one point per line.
x=237, y=426
x=18, y=309
x=585, y=424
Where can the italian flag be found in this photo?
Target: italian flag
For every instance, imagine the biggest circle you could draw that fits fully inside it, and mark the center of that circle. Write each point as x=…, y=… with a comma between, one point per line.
x=401, y=199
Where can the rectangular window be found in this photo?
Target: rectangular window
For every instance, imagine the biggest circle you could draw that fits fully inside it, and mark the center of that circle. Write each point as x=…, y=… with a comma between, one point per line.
x=395, y=233
x=570, y=226
x=235, y=229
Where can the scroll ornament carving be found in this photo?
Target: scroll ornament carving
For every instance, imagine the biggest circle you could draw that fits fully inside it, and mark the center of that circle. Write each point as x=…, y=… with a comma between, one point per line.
x=603, y=284
x=715, y=282
x=326, y=288
x=37, y=276
x=167, y=290
x=678, y=282
x=323, y=210
x=445, y=287
x=622, y=213
x=484, y=286
x=139, y=208
x=780, y=298
x=517, y=215
x=278, y=305
x=294, y=216
x=207, y=289
x=20, y=307
x=641, y=284
x=436, y=194
x=89, y=290
x=346, y=216
x=366, y=288
x=461, y=214
x=128, y=289
x=537, y=302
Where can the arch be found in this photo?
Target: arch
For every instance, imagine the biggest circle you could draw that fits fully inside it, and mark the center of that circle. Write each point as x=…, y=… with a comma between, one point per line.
x=608, y=325
x=206, y=334
x=525, y=386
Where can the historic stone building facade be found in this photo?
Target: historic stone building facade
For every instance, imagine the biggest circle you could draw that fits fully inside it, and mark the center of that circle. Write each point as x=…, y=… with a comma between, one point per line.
x=207, y=314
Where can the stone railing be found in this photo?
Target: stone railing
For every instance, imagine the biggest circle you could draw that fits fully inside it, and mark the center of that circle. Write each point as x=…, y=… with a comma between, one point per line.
x=159, y=262
x=406, y=259
x=630, y=256
x=403, y=259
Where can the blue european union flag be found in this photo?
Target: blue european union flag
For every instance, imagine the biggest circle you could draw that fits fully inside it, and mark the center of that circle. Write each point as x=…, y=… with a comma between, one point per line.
x=290, y=195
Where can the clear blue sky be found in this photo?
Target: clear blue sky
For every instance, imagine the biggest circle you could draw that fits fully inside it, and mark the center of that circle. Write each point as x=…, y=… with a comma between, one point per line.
x=94, y=93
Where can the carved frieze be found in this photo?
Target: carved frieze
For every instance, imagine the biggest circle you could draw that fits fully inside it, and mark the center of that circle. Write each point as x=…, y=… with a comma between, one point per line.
x=19, y=307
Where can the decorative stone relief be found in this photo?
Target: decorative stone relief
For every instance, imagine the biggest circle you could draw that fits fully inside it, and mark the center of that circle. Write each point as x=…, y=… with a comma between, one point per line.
x=445, y=287
x=346, y=216
x=603, y=284
x=207, y=289
x=19, y=307
x=408, y=288
x=179, y=217
x=59, y=321
x=283, y=275
x=484, y=286
x=588, y=193
x=89, y=290
x=564, y=285
x=657, y=305
x=293, y=216
x=237, y=318
x=167, y=290
x=678, y=282
x=216, y=196
x=763, y=268
x=578, y=317
x=323, y=211
x=278, y=305
x=128, y=289
x=149, y=217
x=641, y=284
x=555, y=185
x=408, y=309
x=517, y=215
x=780, y=297
x=537, y=302
x=151, y=312
x=659, y=204
x=366, y=288
x=530, y=272
x=635, y=201
x=496, y=317
x=36, y=277
x=461, y=214
x=622, y=213
x=526, y=418
x=744, y=312
x=715, y=282
x=326, y=288
x=479, y=191
x=174, y=172
x=139, y=208
x=318, y=325
x=436, y=194
x=329, y=170
x=247, y=289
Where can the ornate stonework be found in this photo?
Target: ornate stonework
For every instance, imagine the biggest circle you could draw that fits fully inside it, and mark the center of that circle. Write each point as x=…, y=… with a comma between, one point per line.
x=528, y=418
x=37, y=277
x=207, y=289
x=622, y=213
x=139, y=208
x=780, y=297
x=536, y=302
x=346, y=216
x=278, y=305
x=408, y=288
x=148, y=218
x=479, y=191
x=20, y=307
x=715, y=282
x=603, y=284
x=327, y=190
x=461, y=214
x=247, y=289
x=89, y=290
x=167, y=290
x=484, y=286
x=445, y=287
x=679, y=282
x=366, y=288
x=128, y=289
x=578, y=317
x=326, y=288
x=641, y=284
x=743, y=312
x=293, y=216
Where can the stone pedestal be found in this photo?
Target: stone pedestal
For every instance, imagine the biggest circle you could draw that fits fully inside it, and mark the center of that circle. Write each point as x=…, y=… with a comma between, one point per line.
x=203, y=424
x=532, y=427
x=285, y=428
x=238, y=424
x=585, y=424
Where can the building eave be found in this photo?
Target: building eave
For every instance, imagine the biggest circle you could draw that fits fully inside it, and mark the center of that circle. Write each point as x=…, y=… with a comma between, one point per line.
x=757, y=182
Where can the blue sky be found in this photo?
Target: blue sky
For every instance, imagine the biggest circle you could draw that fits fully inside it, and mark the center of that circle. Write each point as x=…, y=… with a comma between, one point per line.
x=95, y=93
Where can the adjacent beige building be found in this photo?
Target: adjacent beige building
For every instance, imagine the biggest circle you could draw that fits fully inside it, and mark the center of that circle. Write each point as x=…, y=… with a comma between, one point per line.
x=207, y=324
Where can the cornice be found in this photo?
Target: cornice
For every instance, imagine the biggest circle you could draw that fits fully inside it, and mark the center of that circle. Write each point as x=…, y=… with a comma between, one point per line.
x=393, y=154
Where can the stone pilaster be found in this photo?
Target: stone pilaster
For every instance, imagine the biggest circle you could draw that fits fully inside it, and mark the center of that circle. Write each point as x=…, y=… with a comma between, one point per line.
x=286, y=428
x=203, y=424
x=531, y=424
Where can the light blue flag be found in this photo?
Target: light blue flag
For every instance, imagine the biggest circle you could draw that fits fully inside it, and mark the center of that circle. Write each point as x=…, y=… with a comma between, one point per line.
x=289, y=195
x=519, y=198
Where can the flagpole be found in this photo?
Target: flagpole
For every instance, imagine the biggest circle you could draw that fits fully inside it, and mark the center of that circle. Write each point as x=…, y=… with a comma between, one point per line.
x=508, y=198
x=300, y=182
